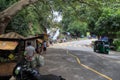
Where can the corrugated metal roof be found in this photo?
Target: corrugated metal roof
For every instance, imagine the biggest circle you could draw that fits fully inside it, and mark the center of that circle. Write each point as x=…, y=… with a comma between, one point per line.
x=12, y=35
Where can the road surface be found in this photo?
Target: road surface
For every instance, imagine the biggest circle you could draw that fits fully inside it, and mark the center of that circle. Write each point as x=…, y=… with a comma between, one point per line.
x=76, y=61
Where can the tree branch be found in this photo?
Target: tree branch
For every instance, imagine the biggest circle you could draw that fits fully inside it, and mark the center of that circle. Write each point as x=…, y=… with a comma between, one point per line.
x=12, y=10
x=7, y=14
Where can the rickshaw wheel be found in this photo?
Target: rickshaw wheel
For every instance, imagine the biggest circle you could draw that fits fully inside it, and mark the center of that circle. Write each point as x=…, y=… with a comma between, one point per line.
x=94, y=50
x=107, y=52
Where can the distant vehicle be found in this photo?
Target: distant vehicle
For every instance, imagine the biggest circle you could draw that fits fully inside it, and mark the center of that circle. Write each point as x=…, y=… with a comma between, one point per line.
x=101, y=46
x=82, y=36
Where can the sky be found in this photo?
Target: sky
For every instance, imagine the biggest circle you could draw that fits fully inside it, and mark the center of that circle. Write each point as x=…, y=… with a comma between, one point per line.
x=57, y=16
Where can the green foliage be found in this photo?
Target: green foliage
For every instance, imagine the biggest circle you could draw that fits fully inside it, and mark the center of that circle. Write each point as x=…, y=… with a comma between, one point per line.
x=97, y=16
x=109, y=22
x=101, y=17
x=19, y=24
x=74, y=20
x=33, y=15
x=77, y=27
x=117, y=44
x=118, y=35
x=6, y=3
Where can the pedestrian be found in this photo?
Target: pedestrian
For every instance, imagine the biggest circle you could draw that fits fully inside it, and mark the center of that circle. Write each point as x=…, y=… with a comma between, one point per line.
x=39, y=48
x=30, y=51
x=51, y=42
x=44, y=47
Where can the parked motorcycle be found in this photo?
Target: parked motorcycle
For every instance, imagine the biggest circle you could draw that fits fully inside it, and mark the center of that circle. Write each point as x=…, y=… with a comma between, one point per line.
x=22, y=71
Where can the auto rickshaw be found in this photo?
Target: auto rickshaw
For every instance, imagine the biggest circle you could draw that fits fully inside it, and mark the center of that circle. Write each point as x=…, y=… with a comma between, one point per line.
x=101, y=46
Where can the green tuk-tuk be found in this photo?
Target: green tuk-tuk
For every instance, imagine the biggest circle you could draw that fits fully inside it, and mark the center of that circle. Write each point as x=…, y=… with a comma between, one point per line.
x=101, y=46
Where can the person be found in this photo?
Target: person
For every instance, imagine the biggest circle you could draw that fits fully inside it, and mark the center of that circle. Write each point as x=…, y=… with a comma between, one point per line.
x=30, y=51
x=39, y=48
x=44, y=46
x=51, y=42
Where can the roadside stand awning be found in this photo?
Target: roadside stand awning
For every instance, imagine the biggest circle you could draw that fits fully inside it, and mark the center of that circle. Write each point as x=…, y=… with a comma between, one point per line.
x=8, y=45
x=9, y=41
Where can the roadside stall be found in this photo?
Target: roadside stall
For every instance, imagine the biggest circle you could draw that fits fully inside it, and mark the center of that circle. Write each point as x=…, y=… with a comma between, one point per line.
x=40, y=41
x=35, y=40
x=12, y=46
x=9, y=51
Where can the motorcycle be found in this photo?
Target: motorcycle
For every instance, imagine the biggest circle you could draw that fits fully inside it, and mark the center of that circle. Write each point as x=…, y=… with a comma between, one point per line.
x=23, y=71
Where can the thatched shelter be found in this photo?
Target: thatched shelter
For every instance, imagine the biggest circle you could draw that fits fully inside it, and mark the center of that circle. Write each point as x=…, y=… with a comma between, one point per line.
x=12, y=45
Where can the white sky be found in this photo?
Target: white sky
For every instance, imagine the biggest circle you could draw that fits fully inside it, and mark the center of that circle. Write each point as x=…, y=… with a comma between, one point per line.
x=57, y=16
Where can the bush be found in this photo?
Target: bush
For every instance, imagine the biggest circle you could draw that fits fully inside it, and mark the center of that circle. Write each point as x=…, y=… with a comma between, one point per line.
x=117, y=44
x=118, y=49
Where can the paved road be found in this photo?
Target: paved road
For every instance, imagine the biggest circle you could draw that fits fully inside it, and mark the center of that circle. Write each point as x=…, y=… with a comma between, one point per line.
x=77, y=61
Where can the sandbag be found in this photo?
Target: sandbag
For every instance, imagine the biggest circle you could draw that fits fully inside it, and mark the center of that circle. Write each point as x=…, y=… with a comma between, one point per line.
x=39, y=60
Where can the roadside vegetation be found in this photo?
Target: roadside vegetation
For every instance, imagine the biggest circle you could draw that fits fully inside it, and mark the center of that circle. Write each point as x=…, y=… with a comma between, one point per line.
x=99, y=17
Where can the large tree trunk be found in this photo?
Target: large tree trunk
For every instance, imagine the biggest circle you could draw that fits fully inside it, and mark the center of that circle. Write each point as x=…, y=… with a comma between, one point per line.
x=3, y=23
x=7, y=14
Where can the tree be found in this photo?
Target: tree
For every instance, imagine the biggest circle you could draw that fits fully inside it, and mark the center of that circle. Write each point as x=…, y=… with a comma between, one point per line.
x=7, y=14
x=108, y=23
x=77, y=28
x=41, y=13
